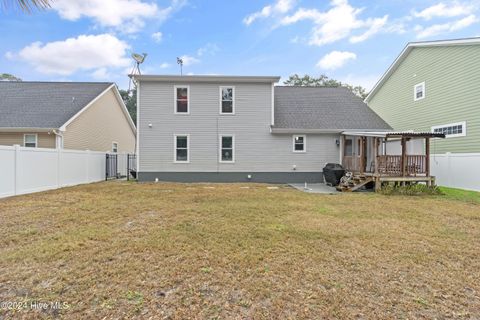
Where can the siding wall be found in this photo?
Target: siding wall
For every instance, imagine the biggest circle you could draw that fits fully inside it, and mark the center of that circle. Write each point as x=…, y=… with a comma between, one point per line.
x=452, y=77
x=44, y=140
x=256, y=149
x=100, y=125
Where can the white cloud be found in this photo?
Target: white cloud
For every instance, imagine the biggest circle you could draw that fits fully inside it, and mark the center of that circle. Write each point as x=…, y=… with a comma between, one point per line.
x=189, y=60
x=86, y=52
x=376, y=25
x=335, y=60
x=339, y=22
x=101, y=74
x=9, y=55
x=165, y=65
x=157, y=36
x=125, y=15
x=279, y=7
x=425, y=32
x=209, y=48
x=443, y=10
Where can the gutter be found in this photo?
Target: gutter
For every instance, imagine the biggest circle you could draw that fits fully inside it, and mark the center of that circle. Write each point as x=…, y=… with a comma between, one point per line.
x=318, y=131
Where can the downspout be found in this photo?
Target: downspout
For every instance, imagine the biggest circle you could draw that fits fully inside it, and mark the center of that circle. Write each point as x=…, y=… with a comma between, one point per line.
x=58, y=134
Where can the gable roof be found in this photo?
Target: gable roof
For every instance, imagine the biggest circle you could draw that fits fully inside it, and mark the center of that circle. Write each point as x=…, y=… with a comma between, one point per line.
x=323, y=108
x=47, y=105
x=408, y=48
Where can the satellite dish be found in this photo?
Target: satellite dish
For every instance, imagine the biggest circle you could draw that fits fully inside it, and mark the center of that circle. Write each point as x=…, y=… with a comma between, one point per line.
x=139, y=58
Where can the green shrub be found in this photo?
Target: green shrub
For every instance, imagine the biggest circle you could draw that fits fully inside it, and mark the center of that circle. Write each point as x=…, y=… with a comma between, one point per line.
x=410, y=190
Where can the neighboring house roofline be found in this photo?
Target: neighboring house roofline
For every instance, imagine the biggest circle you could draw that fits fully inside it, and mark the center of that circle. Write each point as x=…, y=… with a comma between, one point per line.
x=119, y=99
x=206, y=78
x=26, y=129
x=408, y=48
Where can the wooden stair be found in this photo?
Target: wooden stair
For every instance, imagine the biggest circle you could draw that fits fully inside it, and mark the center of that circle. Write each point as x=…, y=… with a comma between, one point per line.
x=355, y=183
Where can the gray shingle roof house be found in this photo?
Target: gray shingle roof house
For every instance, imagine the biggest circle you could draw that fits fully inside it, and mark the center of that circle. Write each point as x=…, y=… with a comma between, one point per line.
x=323, y=108
x=241, y=128
x=73, y=115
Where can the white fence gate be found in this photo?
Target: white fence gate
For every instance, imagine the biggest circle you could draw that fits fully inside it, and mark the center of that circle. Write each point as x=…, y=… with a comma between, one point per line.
x=457, y=170
x=27, y=170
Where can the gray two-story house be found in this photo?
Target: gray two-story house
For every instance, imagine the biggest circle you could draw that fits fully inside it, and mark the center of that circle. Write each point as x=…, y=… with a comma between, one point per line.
x=242, y=128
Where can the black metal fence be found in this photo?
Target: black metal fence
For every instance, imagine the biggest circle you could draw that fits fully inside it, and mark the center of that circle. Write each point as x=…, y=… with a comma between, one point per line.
x=111, y=166
x=131, y=166
x=120, y=166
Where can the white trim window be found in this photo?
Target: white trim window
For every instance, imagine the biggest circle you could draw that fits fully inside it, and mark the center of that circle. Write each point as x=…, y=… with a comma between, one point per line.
x=182, y=148
x=452, y=130
x=419, y=91
x=299, y=143
x=30, y=140
x=182, y=100
x=227, y=100
x=114, y=147
x=227, y=148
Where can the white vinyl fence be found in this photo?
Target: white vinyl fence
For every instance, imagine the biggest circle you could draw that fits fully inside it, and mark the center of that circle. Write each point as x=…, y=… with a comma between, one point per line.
x=457, y=170
x=27, y=170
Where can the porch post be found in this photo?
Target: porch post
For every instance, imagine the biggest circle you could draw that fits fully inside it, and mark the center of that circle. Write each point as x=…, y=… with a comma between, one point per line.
x=404, y=162
x=343, y=146
x=378, y=184
x=427, y=156
x=362, y=154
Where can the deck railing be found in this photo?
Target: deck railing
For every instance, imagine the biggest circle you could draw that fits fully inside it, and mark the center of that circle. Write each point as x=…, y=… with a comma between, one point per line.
x=392, y=165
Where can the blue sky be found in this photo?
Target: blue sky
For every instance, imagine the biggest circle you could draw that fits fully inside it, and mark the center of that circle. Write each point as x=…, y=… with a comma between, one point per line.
x=353, y=41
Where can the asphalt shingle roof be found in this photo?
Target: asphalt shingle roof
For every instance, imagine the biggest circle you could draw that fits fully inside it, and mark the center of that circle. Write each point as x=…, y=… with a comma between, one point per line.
x=323, y=108
x=44, y=104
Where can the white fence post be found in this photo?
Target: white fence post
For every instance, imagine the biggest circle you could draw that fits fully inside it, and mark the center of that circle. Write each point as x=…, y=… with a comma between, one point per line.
x=88, y=164
x=59, y=167
x=449, y=168
x=16, y=169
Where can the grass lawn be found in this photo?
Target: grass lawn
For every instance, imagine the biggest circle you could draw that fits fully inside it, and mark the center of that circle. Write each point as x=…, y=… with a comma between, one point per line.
x=126, y=250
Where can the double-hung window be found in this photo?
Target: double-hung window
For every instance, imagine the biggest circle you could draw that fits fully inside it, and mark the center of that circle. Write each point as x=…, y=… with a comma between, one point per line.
x=299, y=143
x=30, y=140
x=227, y=100
x=114, y=147
x=227, y=148
x=182, y=104
x=182, y=144
x=419, y=91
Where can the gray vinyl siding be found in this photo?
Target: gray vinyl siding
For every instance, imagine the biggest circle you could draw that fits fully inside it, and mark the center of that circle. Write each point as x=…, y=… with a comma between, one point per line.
x=256, y=149
x=452, y=76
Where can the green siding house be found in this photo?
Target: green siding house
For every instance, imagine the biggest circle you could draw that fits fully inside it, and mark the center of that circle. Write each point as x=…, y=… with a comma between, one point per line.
x=434, y=86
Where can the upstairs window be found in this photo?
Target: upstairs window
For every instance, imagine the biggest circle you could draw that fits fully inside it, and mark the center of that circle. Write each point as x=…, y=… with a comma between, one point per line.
x=452, y=130
x=227, y=146
x=227, y=102
x=299, y=143
x=182, y=96
x=419, y=91
x=181, y=148
x=30, y=140
x=114, y=147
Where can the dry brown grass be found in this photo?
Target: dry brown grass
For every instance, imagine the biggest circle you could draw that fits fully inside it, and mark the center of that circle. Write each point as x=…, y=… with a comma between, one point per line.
x=126, y=250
